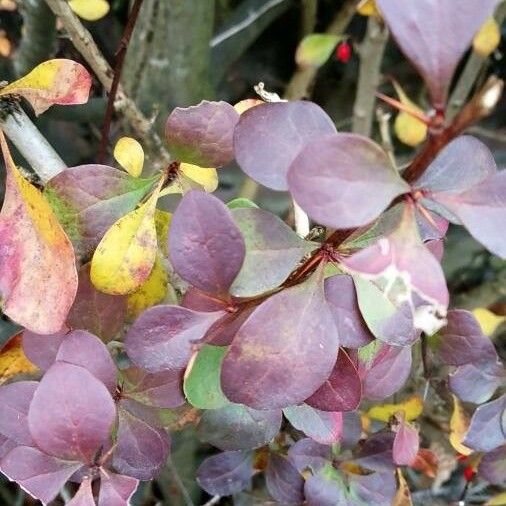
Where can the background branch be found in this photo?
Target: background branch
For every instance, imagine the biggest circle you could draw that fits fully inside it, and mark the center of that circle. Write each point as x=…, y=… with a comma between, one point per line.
x=371, y=55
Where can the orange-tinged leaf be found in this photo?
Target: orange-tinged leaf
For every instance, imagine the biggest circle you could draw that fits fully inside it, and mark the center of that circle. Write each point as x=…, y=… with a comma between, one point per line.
x=126, y=254
x=486, y=41
x=90, y=10
x=13, y=361
x=38, y=279
x=130, y=155
x=411, y=408
x=409, y=129
x=59, y=81
x=5, y=44
x=488, y=321
x=459, y=423
x=368, y=8
x=403, y=495
x=426, y=462
x=246, y=104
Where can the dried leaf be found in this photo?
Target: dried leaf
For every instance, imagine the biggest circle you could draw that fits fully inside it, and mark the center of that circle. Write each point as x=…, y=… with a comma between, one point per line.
x=403, y=495
x=459, y=423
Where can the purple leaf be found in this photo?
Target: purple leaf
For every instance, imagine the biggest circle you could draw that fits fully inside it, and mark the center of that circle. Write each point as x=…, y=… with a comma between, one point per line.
x=141, y=448
x=269, y=136
x=116, y=489
x=352, y=429
x=462, y=341
x=482, y=210
x=97, y=312
x=71, y=413
x=406, y=444
x=477, y=382
x=344, y=180
x=160, y=390
x=265, y=372
x=405, y=264
x=6, y=445
x=15, y=400
x=206, y=247
x=376, y=488
x=202, y=134
x=376, y=452
x=237, y=427
x=162, y=337
x=41, y=349
x=84, y=495
x=434, y=34
x=284, y=483
x=308, y=454
x=200, y=301
x=493, y=466
x=226, y=473
x=88, y=351
x=273, y=250
x=488, y=426
x=386, y=373
x=223, y=331
x=324, y=427
x=326, y=488
x=342, y=390
x=462, y=164
x=89, y=199
x=341, y=297
x=41, y=475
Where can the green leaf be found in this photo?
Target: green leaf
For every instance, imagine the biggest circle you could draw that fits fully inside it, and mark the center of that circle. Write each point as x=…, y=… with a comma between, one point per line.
x=241, y=202
x=202, y=383
x=315, y=49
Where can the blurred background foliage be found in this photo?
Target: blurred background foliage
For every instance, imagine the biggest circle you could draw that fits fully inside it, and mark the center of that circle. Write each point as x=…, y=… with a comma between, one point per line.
x=183, y=51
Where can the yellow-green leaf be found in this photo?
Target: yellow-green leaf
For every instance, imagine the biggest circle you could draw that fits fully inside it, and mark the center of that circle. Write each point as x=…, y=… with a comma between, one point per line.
x=459, y=423
x=126, y=254
x=488, y=321
x=59, y=81
x=38, y=276
x=487, y=39
x=409, y=129
x=90, y=10
x=412, y=409
x=130, y=155
x=315, y=49
x=162, y=223
x=13, y=360
x=153, y=291
x=368, y=8
x=497, y=500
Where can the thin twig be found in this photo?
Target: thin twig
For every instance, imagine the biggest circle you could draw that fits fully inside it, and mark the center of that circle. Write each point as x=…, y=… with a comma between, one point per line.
x=118, y=68
x=84, y=43
x=371, y=56
x=213, y=500
x=386, y=138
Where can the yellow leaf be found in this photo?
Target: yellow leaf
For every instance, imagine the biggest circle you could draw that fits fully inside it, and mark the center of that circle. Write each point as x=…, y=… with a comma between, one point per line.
x=412, y=409
x=245, y=105
x=459, y=423
x=52, y=82
x=38, y=276
x=8, y=5
x=90, y=10
x=162, y=223
x=368, y=8
x=487, y=39
x=403, y=495
x=126, y=254
x=13, y=360
x=409, y=129
x=488, y=321
x=190, y=177
x=130, y=155
x=153, y=291
x=5, y=44
x=497, y=500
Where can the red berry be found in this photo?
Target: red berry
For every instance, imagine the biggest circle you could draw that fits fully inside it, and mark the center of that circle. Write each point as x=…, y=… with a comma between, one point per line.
x=343, y=52
x=469, y=473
